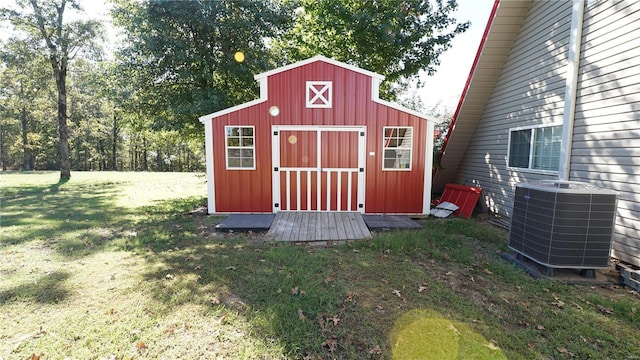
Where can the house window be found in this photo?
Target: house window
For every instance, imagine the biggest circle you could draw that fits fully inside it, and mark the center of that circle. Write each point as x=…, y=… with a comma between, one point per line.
x=396, y=148
x=319, y=94
x=240, y=147
x=536, y=148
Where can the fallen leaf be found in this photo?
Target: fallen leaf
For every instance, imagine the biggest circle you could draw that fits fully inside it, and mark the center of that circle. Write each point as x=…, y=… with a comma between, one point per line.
x=335, y=320
x=541, y=327
x=605, y=310
x=331, y=343
x=558, y=303
x=223, y=319
x=492, y=345
x=233, y=268
x=421, y=288
x=453, y=328
x=563, y=350
x=141, y=345
x=487, y=271
x=396, y=293
x=36, y=357
x=376, y=350
x=197, y=268
x=169, y=277
x=295, y=291
x=301, y=315
x=449, y=273
x=303, y=293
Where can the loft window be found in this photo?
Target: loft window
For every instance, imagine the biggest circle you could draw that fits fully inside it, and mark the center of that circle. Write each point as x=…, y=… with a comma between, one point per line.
x=535, y=148
x=396, y=148
x=240, y=147
x=319, y=94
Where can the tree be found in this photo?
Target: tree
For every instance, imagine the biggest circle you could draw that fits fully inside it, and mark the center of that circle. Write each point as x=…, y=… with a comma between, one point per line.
x=180, y=55
x=63, y=41
x=395, y=38
x=23, y=83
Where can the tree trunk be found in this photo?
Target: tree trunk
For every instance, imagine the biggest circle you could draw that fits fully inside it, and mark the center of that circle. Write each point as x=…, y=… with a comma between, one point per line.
x=65, y=161
x=159, y=160
x=115, y=142
x=145, y=166
x=26, y=152
x=3, y=159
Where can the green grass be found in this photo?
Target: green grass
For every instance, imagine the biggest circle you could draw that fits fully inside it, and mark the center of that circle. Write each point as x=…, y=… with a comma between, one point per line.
x=109, y=266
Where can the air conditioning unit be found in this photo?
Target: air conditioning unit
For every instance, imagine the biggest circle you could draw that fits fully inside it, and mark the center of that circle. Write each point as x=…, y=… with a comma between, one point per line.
x=563, y=224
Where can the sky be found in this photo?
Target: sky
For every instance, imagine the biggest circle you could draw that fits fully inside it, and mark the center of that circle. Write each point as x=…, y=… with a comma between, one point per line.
x=446, y=85
x=443, y=88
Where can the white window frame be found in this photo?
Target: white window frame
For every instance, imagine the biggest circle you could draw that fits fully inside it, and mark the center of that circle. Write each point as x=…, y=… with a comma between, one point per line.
x=240, y=146
x=384, y=147
x=319, y=94
x=531, y=149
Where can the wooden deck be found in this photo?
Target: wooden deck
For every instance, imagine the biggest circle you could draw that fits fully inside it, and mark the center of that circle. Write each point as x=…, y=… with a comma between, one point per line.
x=318, y=226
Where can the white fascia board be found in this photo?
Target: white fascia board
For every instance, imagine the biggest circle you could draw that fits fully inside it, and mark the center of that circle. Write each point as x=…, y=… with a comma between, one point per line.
x=263, y=97
x=323, y=59
x=375, y=97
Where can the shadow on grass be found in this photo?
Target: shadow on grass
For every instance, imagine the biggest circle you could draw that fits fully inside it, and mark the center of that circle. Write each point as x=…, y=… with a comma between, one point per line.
x=48, y=289
x=74, y=220
x=334, y=303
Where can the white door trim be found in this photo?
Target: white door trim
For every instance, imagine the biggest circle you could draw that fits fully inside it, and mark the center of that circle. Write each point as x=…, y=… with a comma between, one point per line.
x=276, y=169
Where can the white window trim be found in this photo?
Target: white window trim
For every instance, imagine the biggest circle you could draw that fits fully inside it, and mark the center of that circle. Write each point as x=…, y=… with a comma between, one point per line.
x=529, y=169
x=226, y=147
x=319, y=90
x=384, y=128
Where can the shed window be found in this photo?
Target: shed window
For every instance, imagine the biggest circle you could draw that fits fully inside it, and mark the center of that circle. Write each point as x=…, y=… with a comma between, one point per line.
x=536, y=148
x=240, y=147
x=396, y=148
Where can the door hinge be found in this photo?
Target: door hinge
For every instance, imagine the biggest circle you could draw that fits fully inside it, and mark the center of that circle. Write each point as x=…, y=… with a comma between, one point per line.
x=275, y=169
x=361, y=169
x=275, y=133
x=276, y=205
x=361, y=133
x=360, y=206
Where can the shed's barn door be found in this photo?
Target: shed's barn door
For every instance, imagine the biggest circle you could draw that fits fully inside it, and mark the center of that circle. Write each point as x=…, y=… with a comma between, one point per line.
x=318, y=168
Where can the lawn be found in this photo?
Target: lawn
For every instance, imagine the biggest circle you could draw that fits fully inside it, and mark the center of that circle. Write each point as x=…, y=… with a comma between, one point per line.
x=127, y=266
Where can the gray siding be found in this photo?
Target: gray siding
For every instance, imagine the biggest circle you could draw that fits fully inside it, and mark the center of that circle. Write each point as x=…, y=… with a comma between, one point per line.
x=606, y=142
x=530, y=91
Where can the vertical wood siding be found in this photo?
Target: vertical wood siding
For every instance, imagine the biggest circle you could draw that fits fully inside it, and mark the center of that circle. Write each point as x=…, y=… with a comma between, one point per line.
x=530, y=91
x=385, y=191
x=606, y=141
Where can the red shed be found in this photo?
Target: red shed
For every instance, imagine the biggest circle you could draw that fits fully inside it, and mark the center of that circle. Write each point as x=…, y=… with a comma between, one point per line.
x=318, y=139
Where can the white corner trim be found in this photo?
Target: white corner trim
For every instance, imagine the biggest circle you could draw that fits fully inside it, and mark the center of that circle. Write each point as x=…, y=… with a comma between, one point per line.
x=208, y=139
x=571, y=88
x=428, y=167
